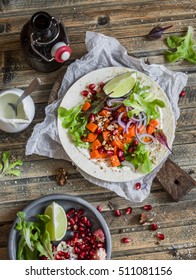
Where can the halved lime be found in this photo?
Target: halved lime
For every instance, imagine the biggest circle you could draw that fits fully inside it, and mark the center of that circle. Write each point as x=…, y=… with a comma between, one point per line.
x=58, y=221
x=120, y=85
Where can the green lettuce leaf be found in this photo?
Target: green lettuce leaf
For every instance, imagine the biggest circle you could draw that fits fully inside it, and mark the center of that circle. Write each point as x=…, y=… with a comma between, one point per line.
x=142, y=104
x=141, y=159
x=181, y=47
x=8, y=168
x=75, y=122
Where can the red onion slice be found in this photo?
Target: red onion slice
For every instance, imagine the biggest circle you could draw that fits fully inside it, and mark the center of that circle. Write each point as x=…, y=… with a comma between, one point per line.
x=142, y=135
x=120, y=122
x=128, y=125
x=112, y=101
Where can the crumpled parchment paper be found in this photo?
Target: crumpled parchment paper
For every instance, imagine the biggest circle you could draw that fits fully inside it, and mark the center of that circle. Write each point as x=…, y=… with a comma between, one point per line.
x=104, y=51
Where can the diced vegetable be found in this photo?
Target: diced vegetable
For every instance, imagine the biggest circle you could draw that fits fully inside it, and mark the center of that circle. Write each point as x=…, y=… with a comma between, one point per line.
x=86, y=106
x=118, y=143
x=115, y=161
x=96, y=144
x=91, y=126
x=104, y=113
x=97, y=155
x=106, y=135
x=91, y=137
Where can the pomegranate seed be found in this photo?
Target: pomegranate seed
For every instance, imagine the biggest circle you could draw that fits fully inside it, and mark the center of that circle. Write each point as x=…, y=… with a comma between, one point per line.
x=138, y=186
x=154, y=227
x=117, y=213
x=101, y=150
x=99, y=130
x=93, y=92
x=80, y=212
x=130, y=150
x=101, y=84
x=147, y=207
x=66, y=255
x=85, y=93
x=99, y=208
x=44, y=258
x=88, y=223
x=91, y=86
x=92, y=252
x=80, y=229
x=82, y=234
x=68, y=242
x=135, y=142
x=72, y=222
x=83, y=220
x=183, y=93
x=75, y=218
x=76, y=234
x=57, y=257
x=82, y=255
x=60, y=253
x=160, y=236
x=92, y=117
x=83, y=138
x=76, y=250
x=110, y=152
x=125, y=240
x=71, y=212
x=120, y=153
x=92, y=238
x=128, y=210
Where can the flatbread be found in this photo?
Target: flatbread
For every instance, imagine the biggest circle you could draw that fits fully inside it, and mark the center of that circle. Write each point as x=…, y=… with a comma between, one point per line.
x=100, y=168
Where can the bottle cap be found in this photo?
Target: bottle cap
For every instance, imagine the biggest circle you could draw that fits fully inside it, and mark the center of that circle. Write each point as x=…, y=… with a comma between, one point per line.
x=61, y=52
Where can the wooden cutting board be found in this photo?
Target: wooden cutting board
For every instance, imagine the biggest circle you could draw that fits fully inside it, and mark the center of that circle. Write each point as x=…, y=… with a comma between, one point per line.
x=174, y=180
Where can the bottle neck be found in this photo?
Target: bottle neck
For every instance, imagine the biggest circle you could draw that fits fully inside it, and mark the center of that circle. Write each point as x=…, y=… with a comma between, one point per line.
x=45, y=28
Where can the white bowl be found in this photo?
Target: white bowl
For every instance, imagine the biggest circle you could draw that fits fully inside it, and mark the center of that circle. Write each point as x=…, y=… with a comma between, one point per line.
x=26, y=111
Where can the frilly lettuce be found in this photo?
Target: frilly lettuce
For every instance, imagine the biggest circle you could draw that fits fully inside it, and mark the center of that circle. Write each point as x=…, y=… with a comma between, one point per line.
x=75, y=122
x=181, y=47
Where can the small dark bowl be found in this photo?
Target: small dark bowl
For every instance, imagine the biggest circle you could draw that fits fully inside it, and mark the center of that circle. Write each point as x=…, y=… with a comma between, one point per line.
x=66, y=201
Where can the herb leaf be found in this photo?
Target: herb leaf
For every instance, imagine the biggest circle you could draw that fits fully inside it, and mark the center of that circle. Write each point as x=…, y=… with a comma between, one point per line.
x=161, y=137
x=34, y=238
x=157, y=32
x=181, y=47
x=8, y=168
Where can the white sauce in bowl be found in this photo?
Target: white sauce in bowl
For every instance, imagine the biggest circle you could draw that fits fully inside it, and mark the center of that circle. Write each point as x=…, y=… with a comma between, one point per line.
x=5, y=109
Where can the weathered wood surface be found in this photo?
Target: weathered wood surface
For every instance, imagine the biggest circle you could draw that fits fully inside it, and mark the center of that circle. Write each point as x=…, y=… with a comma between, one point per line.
x=129, y=22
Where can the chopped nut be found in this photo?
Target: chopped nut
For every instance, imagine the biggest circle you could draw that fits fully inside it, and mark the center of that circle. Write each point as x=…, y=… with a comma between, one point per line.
x=143, y=218
x=61, y=176
x=146, y=219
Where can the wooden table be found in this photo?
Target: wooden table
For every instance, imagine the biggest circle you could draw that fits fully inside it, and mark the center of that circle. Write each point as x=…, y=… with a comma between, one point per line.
x=129, y=22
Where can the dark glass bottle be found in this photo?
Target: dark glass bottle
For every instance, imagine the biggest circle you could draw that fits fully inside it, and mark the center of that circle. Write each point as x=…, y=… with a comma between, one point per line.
x=45, y=42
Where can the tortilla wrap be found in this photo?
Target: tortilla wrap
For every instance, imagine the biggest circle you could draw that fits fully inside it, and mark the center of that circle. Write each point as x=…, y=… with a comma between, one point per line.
x=100, y=168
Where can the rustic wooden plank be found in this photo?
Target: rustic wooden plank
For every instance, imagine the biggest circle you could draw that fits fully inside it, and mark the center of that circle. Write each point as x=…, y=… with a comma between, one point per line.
x=19, y=194
x=147, y=241
x=170, y=254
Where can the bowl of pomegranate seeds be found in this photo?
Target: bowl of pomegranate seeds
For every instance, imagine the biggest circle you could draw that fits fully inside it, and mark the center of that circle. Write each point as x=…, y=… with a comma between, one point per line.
x=59, y=227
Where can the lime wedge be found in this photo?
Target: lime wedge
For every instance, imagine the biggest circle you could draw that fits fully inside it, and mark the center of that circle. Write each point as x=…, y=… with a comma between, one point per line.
x=58, y=221
x=120, y=85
